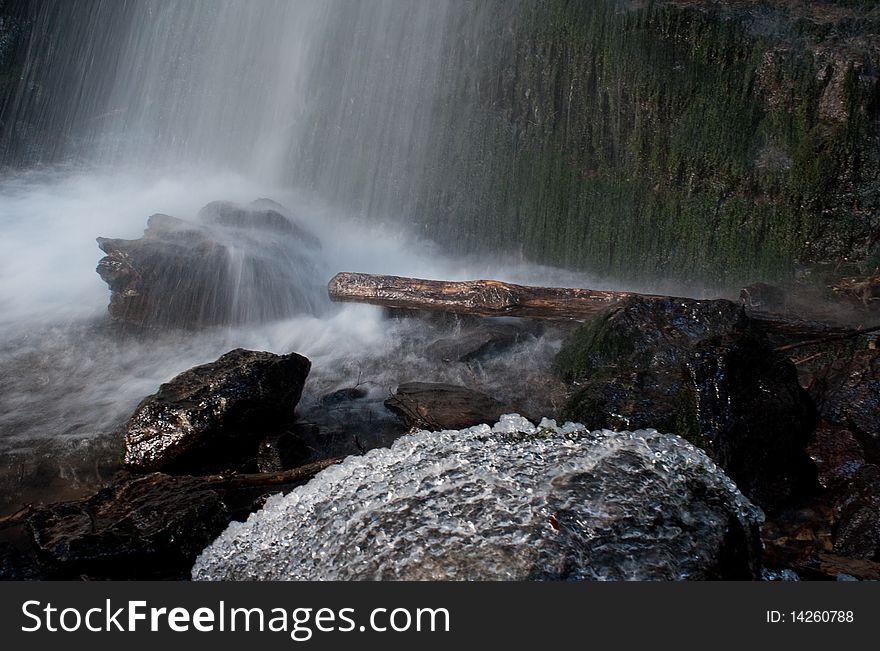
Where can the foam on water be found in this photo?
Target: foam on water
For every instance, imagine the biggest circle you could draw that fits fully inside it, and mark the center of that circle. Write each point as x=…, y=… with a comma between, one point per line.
x=513, y=501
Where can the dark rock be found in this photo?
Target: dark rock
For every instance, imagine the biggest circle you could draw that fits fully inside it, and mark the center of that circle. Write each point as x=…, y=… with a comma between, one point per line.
x=281, y=452
x=214, y=415
x=346, y=422
x=857, y=533
x=641, y=333
x=752, y=416
x=838, y=456
x=478, y=343
x=238, y=265
x=761, y=296
x=848, y=394
x=433, y=406
x=624, y=364
x=693, y=368
x=140, y=527
x=640, y=400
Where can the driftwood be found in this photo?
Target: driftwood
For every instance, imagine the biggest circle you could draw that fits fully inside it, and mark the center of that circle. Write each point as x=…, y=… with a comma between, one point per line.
x=249, y=480
x=478, y=297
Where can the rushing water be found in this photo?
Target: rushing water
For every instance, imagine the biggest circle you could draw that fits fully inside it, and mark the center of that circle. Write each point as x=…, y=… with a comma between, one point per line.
x=130, y=108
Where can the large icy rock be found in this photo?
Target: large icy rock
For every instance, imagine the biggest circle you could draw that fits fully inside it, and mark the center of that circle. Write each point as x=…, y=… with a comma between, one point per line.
x=510, y=502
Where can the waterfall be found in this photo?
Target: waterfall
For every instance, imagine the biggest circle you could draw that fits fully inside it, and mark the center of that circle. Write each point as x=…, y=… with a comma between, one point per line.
x=231, y=85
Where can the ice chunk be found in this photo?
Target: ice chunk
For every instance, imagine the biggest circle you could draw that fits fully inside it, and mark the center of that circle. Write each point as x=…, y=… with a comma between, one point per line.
x=484, y=503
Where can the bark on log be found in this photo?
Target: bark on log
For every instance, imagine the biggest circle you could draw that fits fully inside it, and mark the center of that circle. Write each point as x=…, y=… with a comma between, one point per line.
x=249, y=480
x=479, y=297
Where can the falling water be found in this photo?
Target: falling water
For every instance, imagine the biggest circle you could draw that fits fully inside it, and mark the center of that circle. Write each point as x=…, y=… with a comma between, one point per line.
x=128, y=108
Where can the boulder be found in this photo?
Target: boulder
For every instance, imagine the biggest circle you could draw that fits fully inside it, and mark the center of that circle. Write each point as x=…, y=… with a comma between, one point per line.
x=751, y=415
x=644, y=334
x=212, y=417
x=509, y=502
x=435, y=406
x=235, y=265
x=15, y=565
x=139, y=527
x=693, y=367
x=624, y=365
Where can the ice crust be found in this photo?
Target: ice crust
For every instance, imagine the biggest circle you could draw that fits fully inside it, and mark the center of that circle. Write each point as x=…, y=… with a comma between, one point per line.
x=513, y=501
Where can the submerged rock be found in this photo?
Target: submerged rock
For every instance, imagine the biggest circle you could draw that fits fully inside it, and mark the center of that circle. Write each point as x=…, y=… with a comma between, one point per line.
x=477, y=343
x=235, y=265
x=214, y=415
x=139, y=527
x=752, y=416
x=511, y=502
x=436, y=406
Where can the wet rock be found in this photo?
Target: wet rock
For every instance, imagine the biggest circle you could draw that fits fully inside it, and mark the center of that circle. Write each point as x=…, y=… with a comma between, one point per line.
x=281, y=452
x=477, y=343
x=262, y=214
x=624, y=365
x=857, y=533
x=848, y=393
x=641, y=333
x=236, y=265
x=435, y=406
x=838, y=456
x=752, y=416
x=213, y=416
x=640, y=400
x=140, y=527
x=510, y=502
x=347, y=421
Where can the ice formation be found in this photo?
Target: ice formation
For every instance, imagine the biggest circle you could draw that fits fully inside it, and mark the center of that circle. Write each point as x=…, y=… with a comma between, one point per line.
x=513, y=501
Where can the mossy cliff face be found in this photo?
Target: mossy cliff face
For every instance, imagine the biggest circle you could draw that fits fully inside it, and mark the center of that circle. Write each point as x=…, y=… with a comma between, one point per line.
x=698, y=141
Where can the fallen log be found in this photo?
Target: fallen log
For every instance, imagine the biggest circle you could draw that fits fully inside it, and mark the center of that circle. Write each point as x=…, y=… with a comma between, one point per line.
x=478, y=297
x=496, y=298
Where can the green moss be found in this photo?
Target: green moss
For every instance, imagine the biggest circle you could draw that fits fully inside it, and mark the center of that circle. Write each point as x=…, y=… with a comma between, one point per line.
x=658, y=142
x=590, y=348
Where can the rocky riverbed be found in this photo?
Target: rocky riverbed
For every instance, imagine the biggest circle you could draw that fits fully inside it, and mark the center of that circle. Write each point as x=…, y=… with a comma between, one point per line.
x=704, y=439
